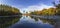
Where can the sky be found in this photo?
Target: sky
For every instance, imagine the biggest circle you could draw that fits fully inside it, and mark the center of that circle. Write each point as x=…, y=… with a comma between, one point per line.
x=29, y=5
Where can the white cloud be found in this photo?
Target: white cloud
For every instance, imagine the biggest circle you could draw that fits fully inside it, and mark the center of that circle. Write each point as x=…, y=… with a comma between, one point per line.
x=0, y=1
x=36, y=7
x=57, y=1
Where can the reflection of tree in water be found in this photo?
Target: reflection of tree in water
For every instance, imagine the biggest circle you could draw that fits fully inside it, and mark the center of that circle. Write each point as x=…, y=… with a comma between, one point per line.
x=50, y=21
x=7, y=21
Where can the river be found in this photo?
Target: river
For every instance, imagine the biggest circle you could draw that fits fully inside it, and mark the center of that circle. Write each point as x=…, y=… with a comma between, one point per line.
x=29, y=22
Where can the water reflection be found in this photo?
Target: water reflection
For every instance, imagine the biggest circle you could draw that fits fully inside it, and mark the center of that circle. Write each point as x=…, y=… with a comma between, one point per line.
x=8, y=21
x=50, y=21
x=28, y=22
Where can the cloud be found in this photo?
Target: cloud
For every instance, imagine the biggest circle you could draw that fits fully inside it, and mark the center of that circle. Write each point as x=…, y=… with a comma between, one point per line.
x=36, y=7
x=0, y=1
x=57, y=1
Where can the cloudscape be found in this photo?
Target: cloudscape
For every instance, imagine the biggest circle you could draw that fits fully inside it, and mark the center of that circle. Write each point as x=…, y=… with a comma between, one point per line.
x=29, y=5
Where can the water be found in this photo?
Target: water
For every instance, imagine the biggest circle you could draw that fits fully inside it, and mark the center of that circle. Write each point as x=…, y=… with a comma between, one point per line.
x=28, y=22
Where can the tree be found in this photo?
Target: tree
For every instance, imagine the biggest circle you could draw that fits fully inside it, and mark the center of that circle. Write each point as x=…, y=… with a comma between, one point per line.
x=57, y=7
x=8, y=10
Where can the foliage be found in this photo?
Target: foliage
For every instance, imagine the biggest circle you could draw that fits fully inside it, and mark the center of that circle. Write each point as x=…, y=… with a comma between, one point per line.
x=57, y=7
x=8, y=10
x=49, y=11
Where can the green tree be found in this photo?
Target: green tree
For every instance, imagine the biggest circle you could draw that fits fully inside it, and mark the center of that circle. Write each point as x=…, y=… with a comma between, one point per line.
x=8, y=10
x=57, y=7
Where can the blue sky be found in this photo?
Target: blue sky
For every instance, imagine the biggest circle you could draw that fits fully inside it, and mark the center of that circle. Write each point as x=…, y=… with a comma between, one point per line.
x=29, y=5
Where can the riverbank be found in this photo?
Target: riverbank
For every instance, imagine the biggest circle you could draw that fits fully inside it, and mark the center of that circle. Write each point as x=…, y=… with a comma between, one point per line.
x=45, y=17
x=12, y=16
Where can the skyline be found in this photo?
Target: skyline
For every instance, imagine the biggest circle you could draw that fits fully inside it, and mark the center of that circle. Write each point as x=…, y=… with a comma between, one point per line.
x=29, y=5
